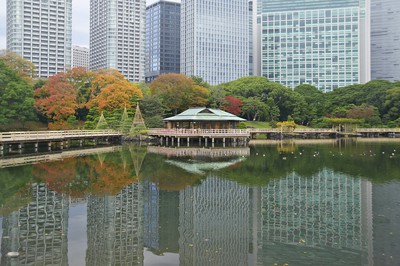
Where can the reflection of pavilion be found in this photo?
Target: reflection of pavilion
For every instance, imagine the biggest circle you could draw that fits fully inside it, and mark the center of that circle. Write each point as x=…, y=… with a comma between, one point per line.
x=214, y=223
x=300, y=217
x=115, y=235
x=194, y=152
x=39, y=231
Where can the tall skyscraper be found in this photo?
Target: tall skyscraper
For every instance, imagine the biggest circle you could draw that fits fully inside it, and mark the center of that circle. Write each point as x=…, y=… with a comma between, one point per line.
x=215, y=39
x=80, y=56
x=117, y=34
x=40, y=31
x=325, y=43
x=162, y=39
x=385, y=39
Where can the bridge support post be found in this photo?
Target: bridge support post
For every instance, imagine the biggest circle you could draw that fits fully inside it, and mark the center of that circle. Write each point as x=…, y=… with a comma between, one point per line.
x=49, y=146
x=166, y=141
x=80, y=142
x=172, y=141
x=94, y=142
x=200, y=141
x=1, y=150
x=206, y=141
x=20, y=147
x=66, y=144
x=161, y=140
x=188, y=141
x=36, y=145
x=9, y=148
x=178, y=140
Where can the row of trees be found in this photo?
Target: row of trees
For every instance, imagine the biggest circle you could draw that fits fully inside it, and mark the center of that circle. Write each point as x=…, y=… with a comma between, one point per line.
x=78, y=97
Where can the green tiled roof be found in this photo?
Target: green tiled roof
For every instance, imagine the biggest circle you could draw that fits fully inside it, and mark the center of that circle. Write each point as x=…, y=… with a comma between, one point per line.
x=204, y=114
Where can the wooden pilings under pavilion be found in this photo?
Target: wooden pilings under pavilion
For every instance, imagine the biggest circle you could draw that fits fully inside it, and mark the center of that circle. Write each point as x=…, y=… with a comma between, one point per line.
x=201, y=136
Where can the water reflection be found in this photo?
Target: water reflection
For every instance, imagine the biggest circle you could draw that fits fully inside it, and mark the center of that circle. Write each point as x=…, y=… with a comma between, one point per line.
x=38, y=231
x=307, y=205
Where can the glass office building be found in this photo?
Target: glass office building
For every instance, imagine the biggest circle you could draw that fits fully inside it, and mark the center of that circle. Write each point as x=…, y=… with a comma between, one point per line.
x=215, y=39
x=162, y=39
x=385, y=39
x=40, y=31
x=322, y=43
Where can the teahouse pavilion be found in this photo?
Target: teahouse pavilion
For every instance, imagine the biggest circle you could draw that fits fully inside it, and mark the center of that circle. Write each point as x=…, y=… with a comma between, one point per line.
x=203, y=118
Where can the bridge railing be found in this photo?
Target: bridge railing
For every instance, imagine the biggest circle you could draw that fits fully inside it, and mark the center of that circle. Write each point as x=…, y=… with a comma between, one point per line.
x=378, y=130
x=197, y=132
x=53, y=135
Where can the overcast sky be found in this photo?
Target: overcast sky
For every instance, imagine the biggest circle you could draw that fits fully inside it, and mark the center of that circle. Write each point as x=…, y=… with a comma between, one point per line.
x=80, y=22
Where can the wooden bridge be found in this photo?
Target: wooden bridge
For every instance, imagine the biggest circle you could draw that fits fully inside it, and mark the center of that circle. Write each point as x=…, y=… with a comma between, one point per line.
x=8, y=139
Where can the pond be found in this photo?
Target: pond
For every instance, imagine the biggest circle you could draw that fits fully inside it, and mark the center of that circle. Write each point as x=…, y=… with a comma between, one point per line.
x=311, y=202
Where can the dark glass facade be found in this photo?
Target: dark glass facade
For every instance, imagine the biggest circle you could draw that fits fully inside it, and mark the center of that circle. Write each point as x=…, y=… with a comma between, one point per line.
x=162, y=39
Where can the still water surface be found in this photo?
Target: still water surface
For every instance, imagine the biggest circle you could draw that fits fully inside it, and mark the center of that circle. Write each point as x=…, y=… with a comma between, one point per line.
x=272, y=203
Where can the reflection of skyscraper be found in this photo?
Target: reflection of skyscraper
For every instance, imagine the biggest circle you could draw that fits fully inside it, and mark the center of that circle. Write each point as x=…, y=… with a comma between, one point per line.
x=328, y=210
x=161, y=219
x=39, y=231
x=386, y=244
x=115, y=232
x=214, y=223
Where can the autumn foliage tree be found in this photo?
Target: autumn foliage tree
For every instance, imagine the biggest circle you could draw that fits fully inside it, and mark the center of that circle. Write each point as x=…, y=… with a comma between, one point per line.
x=232, y=105
x=56, y=100
x=117, y=95
x=179, y=92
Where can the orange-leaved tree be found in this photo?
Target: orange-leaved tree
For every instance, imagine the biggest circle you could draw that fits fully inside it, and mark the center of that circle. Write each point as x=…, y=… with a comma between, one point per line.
x=110, y=91
x=56, y=100
x=178, y=92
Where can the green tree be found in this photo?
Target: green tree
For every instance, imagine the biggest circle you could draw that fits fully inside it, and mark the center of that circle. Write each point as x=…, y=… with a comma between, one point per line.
x=392, y=105
x=179, y=92
x=314, y=100
x=25, y=69
x=16, y=97
x=255, y=110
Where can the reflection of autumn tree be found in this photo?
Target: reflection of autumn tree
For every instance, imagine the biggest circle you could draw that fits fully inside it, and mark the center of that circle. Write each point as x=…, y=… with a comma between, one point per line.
x=78, y=177
x=61, y=176
x=107, y=178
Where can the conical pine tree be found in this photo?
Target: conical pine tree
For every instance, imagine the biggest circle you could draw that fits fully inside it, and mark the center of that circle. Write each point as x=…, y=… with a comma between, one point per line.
x=102, y=124
x=125, y=124
x=138, y=124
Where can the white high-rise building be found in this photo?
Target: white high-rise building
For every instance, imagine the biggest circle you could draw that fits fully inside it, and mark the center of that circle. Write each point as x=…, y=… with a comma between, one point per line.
x=117, y=36
x=40, y=31
x=215, y=39
x=80, y=56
